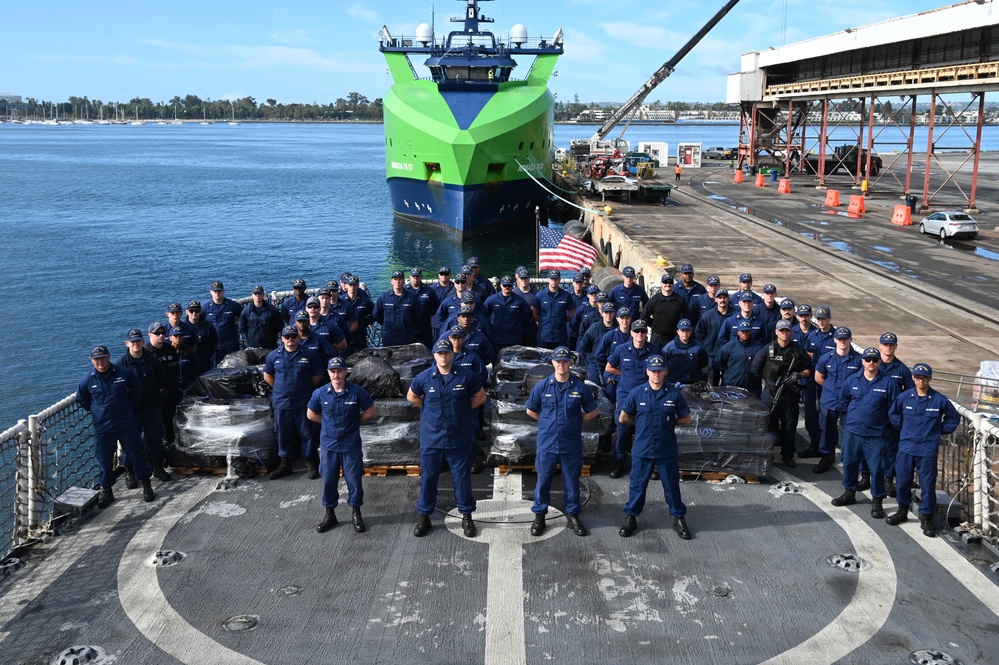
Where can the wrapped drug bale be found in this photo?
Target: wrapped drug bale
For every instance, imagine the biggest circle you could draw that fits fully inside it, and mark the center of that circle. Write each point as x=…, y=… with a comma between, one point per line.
x=393, y=410
x=245, y=358
x=707, y=439
x=734, y=463
x=406, y=359
x=390, y=443
x=377, y=376
x=514, y=361
x=230, y=383
x=507, y=390
x=210, y=429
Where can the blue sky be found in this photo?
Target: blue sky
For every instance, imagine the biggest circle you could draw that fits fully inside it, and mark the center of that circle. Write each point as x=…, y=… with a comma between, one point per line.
x=318, y=51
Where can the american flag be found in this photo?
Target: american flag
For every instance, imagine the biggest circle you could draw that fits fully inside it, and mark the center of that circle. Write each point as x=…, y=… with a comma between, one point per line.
x=559, y=251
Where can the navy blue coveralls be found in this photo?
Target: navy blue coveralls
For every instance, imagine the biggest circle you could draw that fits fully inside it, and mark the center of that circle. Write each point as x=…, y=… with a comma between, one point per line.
x=225, y=318
x=631, y=362
x=921, y=421
x=866, y=428
x=902, y=375
x=836, y=369
x=655, y=413
x=587, y=350
x=809, y=390
x=112, y=397
x=448, y=426
x=293, y=373
x=735, y=361
x=561, y=407
x=429, y=302
x=261, y=326
x=633, y=298
x=508, y=316
x=340, y=440
x=399, y=316
x=554, y=311
x=359, y=310
x=149, y=415
x=685, y=362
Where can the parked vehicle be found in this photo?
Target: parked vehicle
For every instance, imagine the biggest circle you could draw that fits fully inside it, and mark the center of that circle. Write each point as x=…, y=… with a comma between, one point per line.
x=717, y=153
x=845, y=157
x=950, y=224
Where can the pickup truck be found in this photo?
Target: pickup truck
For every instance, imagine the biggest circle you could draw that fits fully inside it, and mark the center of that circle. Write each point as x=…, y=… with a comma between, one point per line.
x=718, y=153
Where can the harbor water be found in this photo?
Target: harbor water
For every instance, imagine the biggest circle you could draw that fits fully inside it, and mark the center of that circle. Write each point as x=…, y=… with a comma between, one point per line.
x=106, y=225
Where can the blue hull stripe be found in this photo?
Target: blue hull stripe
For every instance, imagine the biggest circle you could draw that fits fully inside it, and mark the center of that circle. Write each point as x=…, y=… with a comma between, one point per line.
x=465, y=106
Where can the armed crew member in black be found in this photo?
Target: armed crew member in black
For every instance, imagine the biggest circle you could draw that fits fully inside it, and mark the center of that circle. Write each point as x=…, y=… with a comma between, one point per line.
x=170, y=393
x=663, y=311
x=782, y=364
x=149, y=414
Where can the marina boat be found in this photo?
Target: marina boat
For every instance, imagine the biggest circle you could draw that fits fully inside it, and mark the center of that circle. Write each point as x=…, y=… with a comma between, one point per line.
x=463, y=147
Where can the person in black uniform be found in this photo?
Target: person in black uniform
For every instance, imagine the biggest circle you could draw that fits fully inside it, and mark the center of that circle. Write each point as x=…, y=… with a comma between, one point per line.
x=208, y=336
x=260, y=323
x=782, y=364
x=149, y=416
x=663, y=311
x=170, y=393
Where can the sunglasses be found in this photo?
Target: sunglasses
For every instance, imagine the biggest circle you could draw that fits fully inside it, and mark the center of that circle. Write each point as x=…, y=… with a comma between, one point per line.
x=872, y=360
x=289, y=336
x=312, y=307
x=158, y=334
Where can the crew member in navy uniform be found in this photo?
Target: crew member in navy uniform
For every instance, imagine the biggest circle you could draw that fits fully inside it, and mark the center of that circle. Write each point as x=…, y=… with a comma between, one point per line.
x=341, y=408
x=782, y=364
x=112, y=394
x=922, y=416
x=757, y=325
x=429, y=302
x=309, y=339
x=735, y=360
x=207, y=338
x=448, y=397
x=831, y=372
x=768, y=311
x=450, y=306
x=223, y=313
x=627, y=365
x=399, y=313
x=443, y=287
x=686, y=359
x=900, y=374
x=578, y=292
x=477, y=312
x=293, y=373
x=552, y=309
x=332, y=328
x=707, y=329
x=480, y=284
x=746, y=286
x=188, y=363
x=786, y=309
x=629, y=293
x=359, y=307
x=475, y=340
x=663, y=312
x=802, y=334
x=605, y=347
x=561, y=404
x=294, y=303
x=508, y=313
x=586, y=349
x=260, y=322
x=466, y=358
x=654, y=409
x=149, y=415
x=869, y=395
x=174, y=312
x=688, y=288
x=159, y=346
x=585, y=316
x=528, y=292
x=704, y=302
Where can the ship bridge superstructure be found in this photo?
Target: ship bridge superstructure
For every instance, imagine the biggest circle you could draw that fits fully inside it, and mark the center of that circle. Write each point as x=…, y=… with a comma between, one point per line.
x=860, y=87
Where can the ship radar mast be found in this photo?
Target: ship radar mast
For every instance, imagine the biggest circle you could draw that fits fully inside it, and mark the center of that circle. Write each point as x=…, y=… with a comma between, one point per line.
x=472, y=17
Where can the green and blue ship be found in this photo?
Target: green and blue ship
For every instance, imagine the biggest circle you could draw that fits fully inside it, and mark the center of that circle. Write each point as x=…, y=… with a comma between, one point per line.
x=466, y=148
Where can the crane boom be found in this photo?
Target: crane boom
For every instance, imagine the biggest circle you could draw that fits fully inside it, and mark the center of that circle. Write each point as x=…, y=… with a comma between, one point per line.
x=661, y=74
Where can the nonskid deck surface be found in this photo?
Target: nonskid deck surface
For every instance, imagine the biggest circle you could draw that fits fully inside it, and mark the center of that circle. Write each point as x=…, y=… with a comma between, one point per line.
x=754, y=584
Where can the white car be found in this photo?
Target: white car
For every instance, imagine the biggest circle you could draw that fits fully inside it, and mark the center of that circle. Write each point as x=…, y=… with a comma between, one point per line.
x=950, y=224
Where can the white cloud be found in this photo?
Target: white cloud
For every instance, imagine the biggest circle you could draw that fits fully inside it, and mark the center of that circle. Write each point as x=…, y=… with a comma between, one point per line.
x=359, y=11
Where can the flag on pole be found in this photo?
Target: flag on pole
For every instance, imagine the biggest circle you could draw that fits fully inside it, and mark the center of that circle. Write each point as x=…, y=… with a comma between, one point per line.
x=560, y=251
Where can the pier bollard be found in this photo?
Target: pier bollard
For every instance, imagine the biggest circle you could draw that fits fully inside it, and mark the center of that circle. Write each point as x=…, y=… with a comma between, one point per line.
x=902, y=216
x=832, y=198
x=857, y=205
x=761, y=180
x=785, y=186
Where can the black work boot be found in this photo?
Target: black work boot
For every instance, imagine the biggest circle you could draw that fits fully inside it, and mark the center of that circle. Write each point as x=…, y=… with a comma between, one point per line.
x=809, y=452
x=877, y=509
x=130, y=482
x=629, y=526
x=899, y=516
x=161, y=474
x=106, y=496
x=575, y=525
x=864, y=483
x=926, y=524
x=847, y=498
x=423, y=526
x=890, y=485
x=824, y=464
x=357, y=520
x=312, y=466
x=328, y=522
x=680, y=526
x=617, y=471
x=655, y=474
x=147, y=491
x=283, y=469
x=538, y=525
x=467, y=525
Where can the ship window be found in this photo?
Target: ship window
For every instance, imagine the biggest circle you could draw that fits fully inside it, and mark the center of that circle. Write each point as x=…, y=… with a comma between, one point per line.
x=521, y=146
x=497, y=167
x=433, y=167
x=457, y=73
x=532, y=145
x=390, y=143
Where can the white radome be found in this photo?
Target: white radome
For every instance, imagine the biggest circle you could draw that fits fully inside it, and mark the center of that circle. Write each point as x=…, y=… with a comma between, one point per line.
x=424, y=33
x=518, y=35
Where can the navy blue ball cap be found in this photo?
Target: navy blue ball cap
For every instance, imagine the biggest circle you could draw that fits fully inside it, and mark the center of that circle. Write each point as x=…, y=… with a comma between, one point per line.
x=746, y=296
x=460, y=278
x=521, y=272
x=656, y=363
x=176, y=330
x=443, y=346
x=628, y=271
x=398, y=274
x=174, y=307
x=721, y=293
x=922, y=369
x=156, y=327
x=871, y=353
x=289, y=331
x=684, y=324
x=352, y=280
x=258, y=289
x=302, y=316
x=822, y=313
x=336, y=362
x=467, y=269
x=804, y=310
x=666, y=278
x=344, y=276
x=603, y=296
x=554, y=274
x=586, y=271
x=325, y=291
x=99, y=352
x=842, y=333
x=889, y=338
x=465, y=309
x=507, y=280
x=787, y=303
x=578, y=278
x=624, y=311
x=133, y=335
x=562, y=353
x=744, y=326
x=195, y=305
x=473, y=261
x=216, y=286
x=607, y=307
x=456, y=331
x=592, y=289
x=299, y=284
x=745, y=277
x=783, y=324
x=333, y=283
x=686, y=267
x=443, y=270
x=639, y=325
x=416, y=272
x=467, y=297
x=769, y=288
x=713, y=280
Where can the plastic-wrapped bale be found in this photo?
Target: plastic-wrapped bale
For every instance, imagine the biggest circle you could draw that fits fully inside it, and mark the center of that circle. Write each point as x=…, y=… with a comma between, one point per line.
x=394, y=410
x=518, y=442
x=508, y=390
x=735, y=463
x=230, y=383
x=391, y=443
x=209, y=430
x=514, y=361
x=377, y=376
x=709, y=440
x=727, y=408
x=245, y=358
x=406, y=359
